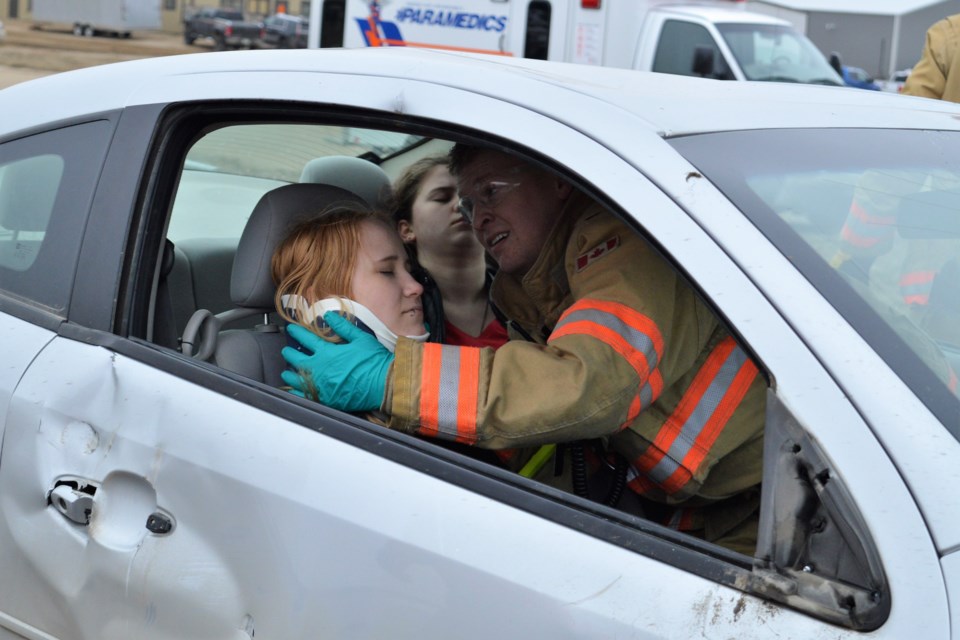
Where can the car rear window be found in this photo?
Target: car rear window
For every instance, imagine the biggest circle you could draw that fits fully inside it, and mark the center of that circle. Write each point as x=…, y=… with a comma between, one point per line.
x=47, y=182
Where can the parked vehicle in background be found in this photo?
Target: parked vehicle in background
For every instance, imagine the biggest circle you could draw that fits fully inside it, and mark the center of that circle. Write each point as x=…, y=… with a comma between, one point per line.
x=896, y=82
x=107, y=17
x=226, y=27
x=712, y=39
x=857, y=77
x=283, y=31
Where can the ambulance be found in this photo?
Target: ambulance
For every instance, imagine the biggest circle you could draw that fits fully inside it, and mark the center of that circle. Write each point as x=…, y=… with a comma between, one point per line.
x=715, y=39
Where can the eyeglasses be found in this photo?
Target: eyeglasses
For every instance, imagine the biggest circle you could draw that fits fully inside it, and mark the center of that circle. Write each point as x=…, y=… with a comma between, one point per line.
x=487, y=196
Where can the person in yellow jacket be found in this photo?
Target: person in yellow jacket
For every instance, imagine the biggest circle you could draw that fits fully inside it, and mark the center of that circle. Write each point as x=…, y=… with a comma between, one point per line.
x=937, y=74
x=617, y=346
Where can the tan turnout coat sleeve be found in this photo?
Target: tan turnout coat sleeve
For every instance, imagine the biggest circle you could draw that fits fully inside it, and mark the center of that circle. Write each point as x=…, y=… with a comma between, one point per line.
x=937, y=74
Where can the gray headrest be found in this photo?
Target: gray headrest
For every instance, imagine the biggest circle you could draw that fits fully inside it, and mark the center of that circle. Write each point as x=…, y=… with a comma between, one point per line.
x=277, y=212
x=359, y=176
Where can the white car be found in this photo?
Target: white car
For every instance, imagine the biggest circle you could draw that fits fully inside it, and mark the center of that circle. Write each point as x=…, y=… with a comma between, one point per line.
x=150, y=488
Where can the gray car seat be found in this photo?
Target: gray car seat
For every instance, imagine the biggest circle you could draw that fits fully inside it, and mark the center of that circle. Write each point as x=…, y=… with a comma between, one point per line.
x=255, y=353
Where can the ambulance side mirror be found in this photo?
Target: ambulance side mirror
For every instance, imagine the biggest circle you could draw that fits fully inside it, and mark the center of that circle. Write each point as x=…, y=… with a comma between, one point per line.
x=703, y=61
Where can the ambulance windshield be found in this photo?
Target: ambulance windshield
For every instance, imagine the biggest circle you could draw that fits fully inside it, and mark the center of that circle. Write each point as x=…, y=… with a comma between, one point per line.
x=777, y=53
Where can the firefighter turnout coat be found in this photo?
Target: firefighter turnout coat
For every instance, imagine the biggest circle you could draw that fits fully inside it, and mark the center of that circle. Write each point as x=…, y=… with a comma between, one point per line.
x=623, y=349
x=937, y=74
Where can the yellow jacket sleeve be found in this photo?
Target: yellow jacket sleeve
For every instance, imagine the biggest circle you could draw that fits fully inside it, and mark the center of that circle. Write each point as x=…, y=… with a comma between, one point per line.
x=934, y=75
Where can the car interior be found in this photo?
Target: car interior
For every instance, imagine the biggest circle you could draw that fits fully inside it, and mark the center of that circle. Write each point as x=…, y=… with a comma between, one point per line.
x=213, y=289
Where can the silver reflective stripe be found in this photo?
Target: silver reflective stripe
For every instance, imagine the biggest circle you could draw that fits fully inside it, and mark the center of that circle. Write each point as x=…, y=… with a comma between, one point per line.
x=646, y=396
x=637, y=339
x=705, y=408
x=449, y=392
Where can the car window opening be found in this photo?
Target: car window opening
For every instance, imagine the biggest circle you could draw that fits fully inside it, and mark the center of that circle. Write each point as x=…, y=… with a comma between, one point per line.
x=227, y=173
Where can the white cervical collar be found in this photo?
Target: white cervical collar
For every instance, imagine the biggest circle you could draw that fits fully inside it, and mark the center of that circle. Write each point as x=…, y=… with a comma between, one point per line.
x=309, y=314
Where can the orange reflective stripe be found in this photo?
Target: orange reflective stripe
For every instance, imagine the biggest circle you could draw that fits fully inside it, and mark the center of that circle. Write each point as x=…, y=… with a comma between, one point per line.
x=673, y=426
x=628, y=332
x=639, y=483
x=632, y=412
x=917, y=277
x=711, y=431
x=611, y=338
x=858, y=212
x=427, y=45
x=915, y=286
x=449, y=388
x=629, y=317
x=863, y=230
x=685, y=438
x=430, y=389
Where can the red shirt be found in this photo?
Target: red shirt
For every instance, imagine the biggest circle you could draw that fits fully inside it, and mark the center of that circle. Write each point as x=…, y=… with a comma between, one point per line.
x=494, y=335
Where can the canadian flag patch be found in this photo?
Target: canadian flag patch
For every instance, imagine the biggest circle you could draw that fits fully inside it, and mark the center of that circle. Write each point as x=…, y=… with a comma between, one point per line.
x=602, y=249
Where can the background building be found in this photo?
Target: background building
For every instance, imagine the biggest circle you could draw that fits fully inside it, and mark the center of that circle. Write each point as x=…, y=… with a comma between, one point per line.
x=881, y=36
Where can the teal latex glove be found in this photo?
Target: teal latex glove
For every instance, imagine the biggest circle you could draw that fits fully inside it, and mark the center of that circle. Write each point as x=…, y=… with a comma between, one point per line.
x=350, y=376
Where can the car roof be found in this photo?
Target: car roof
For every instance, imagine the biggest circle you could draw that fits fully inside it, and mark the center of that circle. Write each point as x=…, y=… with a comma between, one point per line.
x=666, y=104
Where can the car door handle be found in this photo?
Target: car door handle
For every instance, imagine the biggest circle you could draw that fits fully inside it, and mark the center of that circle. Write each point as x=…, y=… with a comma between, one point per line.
x=73, y=498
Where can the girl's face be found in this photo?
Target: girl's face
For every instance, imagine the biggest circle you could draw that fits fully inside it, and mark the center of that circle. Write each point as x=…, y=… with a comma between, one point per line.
x=382, y=282
x=436, y=225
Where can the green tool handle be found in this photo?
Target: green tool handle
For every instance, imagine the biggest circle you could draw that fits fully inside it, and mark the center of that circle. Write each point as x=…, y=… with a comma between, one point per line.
x=536, y=462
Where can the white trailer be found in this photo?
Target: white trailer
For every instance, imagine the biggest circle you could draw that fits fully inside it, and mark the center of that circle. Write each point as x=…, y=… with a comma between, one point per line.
x=89, y=17
x=709, y=38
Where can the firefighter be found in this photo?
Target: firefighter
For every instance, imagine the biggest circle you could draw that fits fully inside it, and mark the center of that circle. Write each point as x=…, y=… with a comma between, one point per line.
x=933, y=75
x=615, y=346
x=917, y=276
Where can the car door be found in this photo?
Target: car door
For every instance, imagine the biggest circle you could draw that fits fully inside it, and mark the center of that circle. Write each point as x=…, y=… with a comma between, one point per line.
x=220, y=507
x=146, y=495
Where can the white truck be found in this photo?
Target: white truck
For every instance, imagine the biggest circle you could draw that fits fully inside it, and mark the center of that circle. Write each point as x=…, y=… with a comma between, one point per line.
x=715, y=39
x=90, y=17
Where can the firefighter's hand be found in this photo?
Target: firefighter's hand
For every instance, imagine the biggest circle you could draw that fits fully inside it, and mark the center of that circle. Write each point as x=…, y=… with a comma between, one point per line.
x=350, y=375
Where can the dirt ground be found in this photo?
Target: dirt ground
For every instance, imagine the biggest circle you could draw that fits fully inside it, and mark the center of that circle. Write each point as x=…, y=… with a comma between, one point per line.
x=33, y=50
